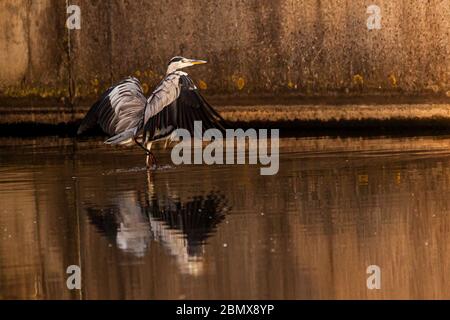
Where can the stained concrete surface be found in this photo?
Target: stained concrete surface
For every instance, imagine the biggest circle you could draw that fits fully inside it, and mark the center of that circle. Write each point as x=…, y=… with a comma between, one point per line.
x=255, y=48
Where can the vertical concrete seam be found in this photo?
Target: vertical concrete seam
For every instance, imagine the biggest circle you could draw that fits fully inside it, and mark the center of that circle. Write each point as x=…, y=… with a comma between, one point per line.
x=110, y=41
x=69, y=70
x=28, y=35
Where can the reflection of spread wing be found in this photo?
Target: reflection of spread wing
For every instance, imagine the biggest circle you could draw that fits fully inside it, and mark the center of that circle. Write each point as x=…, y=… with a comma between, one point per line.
x=182, y=227
x=181, y=112
x=119, y=109
x=105, y=220
x=125, y=222
x=197, y=219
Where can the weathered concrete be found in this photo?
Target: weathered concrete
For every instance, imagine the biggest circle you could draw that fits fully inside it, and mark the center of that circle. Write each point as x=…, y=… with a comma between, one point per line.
x=290, y=47
x=33, y=49
x=328, y=116
x=255, y=48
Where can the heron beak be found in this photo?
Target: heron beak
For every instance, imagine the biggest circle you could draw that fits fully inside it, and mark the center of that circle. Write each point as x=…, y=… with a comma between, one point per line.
x=194, y=62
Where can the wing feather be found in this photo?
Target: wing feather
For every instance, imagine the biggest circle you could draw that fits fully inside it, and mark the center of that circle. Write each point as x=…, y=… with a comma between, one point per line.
x=166, y=93
x=119, y=109
x=188, y=107
x=175, y=103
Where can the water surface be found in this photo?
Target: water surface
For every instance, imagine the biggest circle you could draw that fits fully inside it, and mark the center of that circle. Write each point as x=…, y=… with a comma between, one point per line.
x=336, y=206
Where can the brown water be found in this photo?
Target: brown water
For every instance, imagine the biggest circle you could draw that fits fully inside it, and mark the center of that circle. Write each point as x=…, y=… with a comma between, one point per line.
x=335, y=207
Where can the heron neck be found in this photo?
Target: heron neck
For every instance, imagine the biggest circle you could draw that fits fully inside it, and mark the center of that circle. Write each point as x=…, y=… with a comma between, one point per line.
x=171, y=69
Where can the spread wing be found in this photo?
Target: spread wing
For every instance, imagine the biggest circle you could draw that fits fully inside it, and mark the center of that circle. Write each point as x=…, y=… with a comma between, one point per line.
x=164, y=94
x=181, y=112
x=119, y=110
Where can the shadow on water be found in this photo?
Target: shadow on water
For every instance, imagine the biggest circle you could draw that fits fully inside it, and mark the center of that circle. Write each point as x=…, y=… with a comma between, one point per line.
x=136, y=218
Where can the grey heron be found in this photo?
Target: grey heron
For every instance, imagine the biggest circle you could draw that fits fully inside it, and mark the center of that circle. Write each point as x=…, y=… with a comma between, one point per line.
x=129, y=118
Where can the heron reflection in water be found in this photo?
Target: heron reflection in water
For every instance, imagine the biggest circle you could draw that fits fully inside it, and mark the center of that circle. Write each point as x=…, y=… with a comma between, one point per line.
x=135, y=219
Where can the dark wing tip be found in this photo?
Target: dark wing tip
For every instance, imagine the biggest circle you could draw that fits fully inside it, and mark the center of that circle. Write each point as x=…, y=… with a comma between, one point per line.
x=80, y=131
x=89, y=121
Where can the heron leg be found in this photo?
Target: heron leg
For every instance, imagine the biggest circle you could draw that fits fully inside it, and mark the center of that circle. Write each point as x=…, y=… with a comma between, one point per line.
x=150, y=159
x=141, y=145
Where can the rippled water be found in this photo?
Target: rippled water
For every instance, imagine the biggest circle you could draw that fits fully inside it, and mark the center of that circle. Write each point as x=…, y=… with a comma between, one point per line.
x=336, y=206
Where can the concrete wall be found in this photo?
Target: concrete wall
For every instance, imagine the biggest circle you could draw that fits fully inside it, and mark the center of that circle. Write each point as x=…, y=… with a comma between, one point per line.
x=255, y=47
x=33, y=48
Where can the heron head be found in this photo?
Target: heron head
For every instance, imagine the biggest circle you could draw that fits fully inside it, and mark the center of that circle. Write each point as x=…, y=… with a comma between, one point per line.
x=177, y=63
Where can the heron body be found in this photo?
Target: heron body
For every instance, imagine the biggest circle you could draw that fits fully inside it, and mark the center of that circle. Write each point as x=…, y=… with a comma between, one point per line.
x=130, y=118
